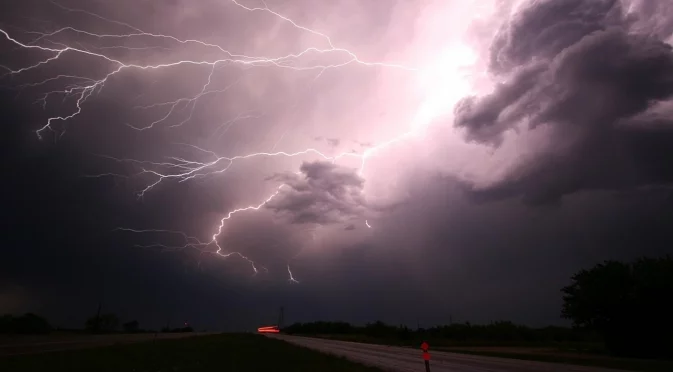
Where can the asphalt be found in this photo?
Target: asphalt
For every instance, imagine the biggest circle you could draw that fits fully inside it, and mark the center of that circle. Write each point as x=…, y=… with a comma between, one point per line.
x=36, y=344
x=400, y=359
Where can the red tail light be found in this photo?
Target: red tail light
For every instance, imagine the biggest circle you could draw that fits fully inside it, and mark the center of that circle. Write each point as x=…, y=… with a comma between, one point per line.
x=268, y=329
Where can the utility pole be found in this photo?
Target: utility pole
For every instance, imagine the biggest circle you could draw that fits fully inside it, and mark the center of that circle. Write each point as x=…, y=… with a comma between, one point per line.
x=96, y=326
x=101, y=294
x=281, y=317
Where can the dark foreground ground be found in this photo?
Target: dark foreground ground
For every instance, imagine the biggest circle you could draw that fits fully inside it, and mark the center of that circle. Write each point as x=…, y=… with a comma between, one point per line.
x=225, y=352
x=555, y=356
x=37, y=344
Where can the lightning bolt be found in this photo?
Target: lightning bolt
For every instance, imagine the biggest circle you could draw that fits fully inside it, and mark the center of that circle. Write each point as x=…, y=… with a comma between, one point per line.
x=83, y=88
x=289, y=272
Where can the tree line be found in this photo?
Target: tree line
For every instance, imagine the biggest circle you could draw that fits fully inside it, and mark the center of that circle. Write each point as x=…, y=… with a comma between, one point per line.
x=627, y=306
x=30, y=323
x=495, y=333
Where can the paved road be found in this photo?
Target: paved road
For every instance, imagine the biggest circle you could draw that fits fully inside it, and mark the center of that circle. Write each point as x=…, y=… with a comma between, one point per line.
x=34, y=345
x=401, y=359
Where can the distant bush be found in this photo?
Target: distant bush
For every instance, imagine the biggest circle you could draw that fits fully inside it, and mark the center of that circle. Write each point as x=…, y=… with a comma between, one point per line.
x=105, y=323
x=341, y=328
x=131, y=327
x=177, y=330
x=25, y=324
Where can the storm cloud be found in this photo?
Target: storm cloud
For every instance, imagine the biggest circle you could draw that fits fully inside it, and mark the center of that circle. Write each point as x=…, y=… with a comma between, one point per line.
x=391, y=185
x=589, y=76
x=323, y=193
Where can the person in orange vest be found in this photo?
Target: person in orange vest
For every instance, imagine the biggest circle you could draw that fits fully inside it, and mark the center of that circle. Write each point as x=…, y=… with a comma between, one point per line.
x=426, y=355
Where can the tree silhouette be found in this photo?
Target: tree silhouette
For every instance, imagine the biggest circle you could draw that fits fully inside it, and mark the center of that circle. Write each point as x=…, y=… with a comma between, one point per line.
x=630, y=304
x=104, y=323
x=26, y=324
x=131, y=327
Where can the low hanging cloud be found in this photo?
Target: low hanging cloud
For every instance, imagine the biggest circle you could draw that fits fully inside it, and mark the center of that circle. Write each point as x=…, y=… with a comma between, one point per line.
x=322, y=193
x=588, y=72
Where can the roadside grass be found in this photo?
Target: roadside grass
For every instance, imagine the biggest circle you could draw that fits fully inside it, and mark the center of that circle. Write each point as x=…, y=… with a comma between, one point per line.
x=224, y=352
x=578, y=347
x=582, y=354
x=644, y=365
x=586, y=347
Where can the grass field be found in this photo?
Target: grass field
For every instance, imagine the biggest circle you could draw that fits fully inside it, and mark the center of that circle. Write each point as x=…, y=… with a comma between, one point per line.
x=225, y=352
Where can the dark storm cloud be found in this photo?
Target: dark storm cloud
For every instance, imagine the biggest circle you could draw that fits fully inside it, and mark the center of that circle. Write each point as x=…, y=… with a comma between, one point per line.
x=544, y=28
x=653, y=17
x=442, y=256
x=322, y=193
x=588, y=76
x=487, y=117
x=429, y=257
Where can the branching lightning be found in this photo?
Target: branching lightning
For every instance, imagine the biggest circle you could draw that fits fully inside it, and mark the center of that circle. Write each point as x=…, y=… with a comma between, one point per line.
x=83, y=88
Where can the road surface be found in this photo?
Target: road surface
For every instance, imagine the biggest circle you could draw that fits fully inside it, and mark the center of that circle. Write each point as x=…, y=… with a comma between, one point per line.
x=400, y=359
x=41, y=344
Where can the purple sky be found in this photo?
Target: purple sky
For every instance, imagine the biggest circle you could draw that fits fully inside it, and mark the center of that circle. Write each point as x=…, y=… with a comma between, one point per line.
x=360, y=160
